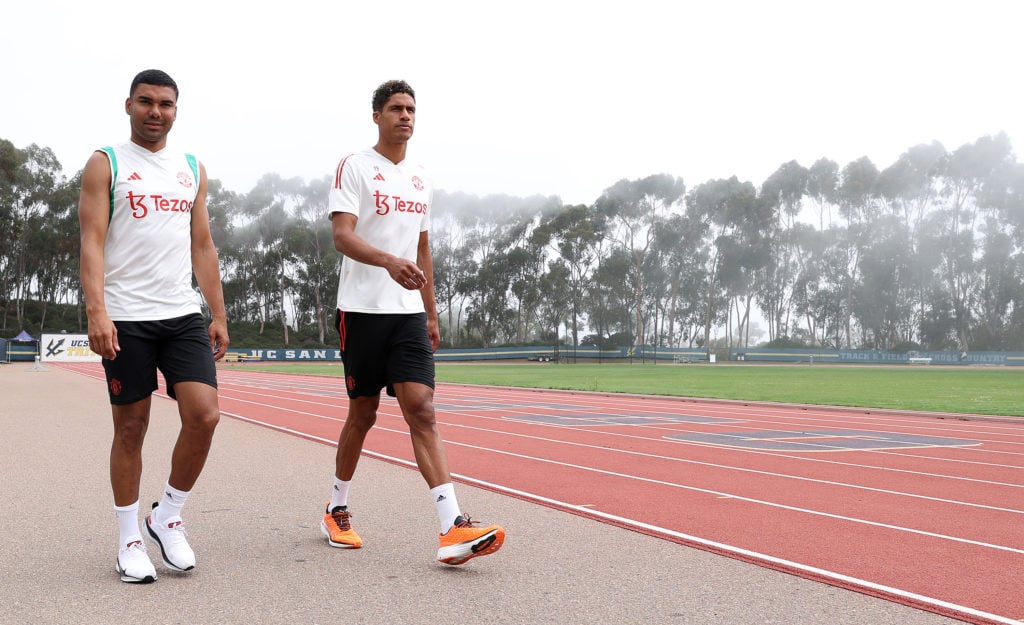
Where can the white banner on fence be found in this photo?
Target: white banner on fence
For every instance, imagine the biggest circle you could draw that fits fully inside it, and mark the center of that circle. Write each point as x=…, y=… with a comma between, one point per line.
x=66, y=348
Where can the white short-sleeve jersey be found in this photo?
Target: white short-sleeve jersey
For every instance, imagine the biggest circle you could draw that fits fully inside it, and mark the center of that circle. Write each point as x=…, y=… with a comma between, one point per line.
x=147, y=255
x=391, y=202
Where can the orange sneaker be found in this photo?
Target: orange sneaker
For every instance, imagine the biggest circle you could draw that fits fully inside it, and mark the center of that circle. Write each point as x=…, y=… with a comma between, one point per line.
x=463, y=541
x=337, y=527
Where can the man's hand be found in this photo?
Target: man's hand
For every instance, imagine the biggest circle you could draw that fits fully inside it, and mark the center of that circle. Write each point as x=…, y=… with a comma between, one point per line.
x=407, y=273
x=219, y=340
x=103, y=336
x=433, y=333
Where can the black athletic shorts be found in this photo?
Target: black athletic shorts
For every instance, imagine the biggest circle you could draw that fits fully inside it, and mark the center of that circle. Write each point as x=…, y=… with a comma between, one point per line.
x=380, y=350
x=179, y=348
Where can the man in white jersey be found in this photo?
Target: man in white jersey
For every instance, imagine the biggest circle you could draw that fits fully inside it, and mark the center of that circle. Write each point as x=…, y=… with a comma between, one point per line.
x=145, y=230
x=379, y=205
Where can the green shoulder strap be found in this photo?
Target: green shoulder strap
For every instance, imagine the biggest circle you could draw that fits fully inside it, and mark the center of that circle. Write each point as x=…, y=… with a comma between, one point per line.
x=195, y=168
x=113, y=177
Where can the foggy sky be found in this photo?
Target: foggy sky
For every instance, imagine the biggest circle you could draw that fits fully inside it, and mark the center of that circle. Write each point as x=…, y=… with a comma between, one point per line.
x=551, y=98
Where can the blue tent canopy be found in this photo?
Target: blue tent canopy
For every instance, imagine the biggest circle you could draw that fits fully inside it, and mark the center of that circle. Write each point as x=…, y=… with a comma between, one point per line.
x=24, y=336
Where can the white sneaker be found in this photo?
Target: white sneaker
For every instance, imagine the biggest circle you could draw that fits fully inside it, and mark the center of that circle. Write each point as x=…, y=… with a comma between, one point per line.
x=174, y=547
x=133, y=563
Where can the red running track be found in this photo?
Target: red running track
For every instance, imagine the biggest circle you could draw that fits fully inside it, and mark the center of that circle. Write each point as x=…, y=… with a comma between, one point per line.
x=913, y=508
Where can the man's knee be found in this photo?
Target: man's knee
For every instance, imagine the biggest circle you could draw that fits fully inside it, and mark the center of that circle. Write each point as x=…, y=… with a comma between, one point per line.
x=362, y=412
x=198, y=406
x=130, y=425
x=130, y=435
x=205, y=420
x=420, y=414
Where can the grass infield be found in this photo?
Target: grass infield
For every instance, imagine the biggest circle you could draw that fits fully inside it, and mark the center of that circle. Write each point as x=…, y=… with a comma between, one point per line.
x=959, y=390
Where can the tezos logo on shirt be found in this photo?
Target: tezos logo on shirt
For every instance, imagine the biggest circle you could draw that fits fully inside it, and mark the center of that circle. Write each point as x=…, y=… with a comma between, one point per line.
x=386, y=203
x=142, y=204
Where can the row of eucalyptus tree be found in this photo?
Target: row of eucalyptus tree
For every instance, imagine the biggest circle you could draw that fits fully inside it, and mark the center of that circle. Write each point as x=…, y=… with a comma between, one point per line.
x=39, y=246
x=926, y=252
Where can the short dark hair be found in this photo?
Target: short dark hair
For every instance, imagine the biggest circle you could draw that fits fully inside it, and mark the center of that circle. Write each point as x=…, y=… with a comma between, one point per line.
x=153, y=77
x=388, y=89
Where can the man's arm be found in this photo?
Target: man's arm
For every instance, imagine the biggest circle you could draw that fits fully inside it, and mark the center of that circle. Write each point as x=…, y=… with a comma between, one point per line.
x=93, y=220
x=425, y=260
x=206, y=267
x=403, y=271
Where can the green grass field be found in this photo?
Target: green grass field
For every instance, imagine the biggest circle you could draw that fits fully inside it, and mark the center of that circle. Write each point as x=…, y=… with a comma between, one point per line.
x=981, y=390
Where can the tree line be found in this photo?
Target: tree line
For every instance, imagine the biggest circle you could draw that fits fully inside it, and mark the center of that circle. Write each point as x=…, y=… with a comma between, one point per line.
x=923, y=254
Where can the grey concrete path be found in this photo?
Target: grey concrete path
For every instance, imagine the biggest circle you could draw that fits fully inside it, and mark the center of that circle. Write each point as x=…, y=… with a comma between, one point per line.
x=253, y=520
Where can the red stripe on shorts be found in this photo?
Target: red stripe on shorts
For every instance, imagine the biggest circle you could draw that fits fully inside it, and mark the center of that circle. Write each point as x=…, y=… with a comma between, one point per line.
x=341, y=329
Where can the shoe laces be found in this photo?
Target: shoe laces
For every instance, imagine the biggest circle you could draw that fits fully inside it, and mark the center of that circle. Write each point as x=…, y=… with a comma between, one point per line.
x=465, y=521
x=137, y=545
x=341, y=517
x=176, y=529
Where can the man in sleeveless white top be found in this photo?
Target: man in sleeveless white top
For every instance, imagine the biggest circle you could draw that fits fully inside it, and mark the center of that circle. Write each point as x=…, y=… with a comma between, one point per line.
x=145, y=232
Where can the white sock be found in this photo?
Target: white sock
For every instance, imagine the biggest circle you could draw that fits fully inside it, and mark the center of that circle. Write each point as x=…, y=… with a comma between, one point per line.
x=170, y=504
x=447, y=505
x=128, y=523
x=339, y=494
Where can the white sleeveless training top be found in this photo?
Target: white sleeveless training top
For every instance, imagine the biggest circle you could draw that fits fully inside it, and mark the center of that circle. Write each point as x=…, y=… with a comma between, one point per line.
x=148, y=251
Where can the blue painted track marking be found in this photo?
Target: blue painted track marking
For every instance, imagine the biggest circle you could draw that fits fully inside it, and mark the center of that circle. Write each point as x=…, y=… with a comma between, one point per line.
x=819, y=440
